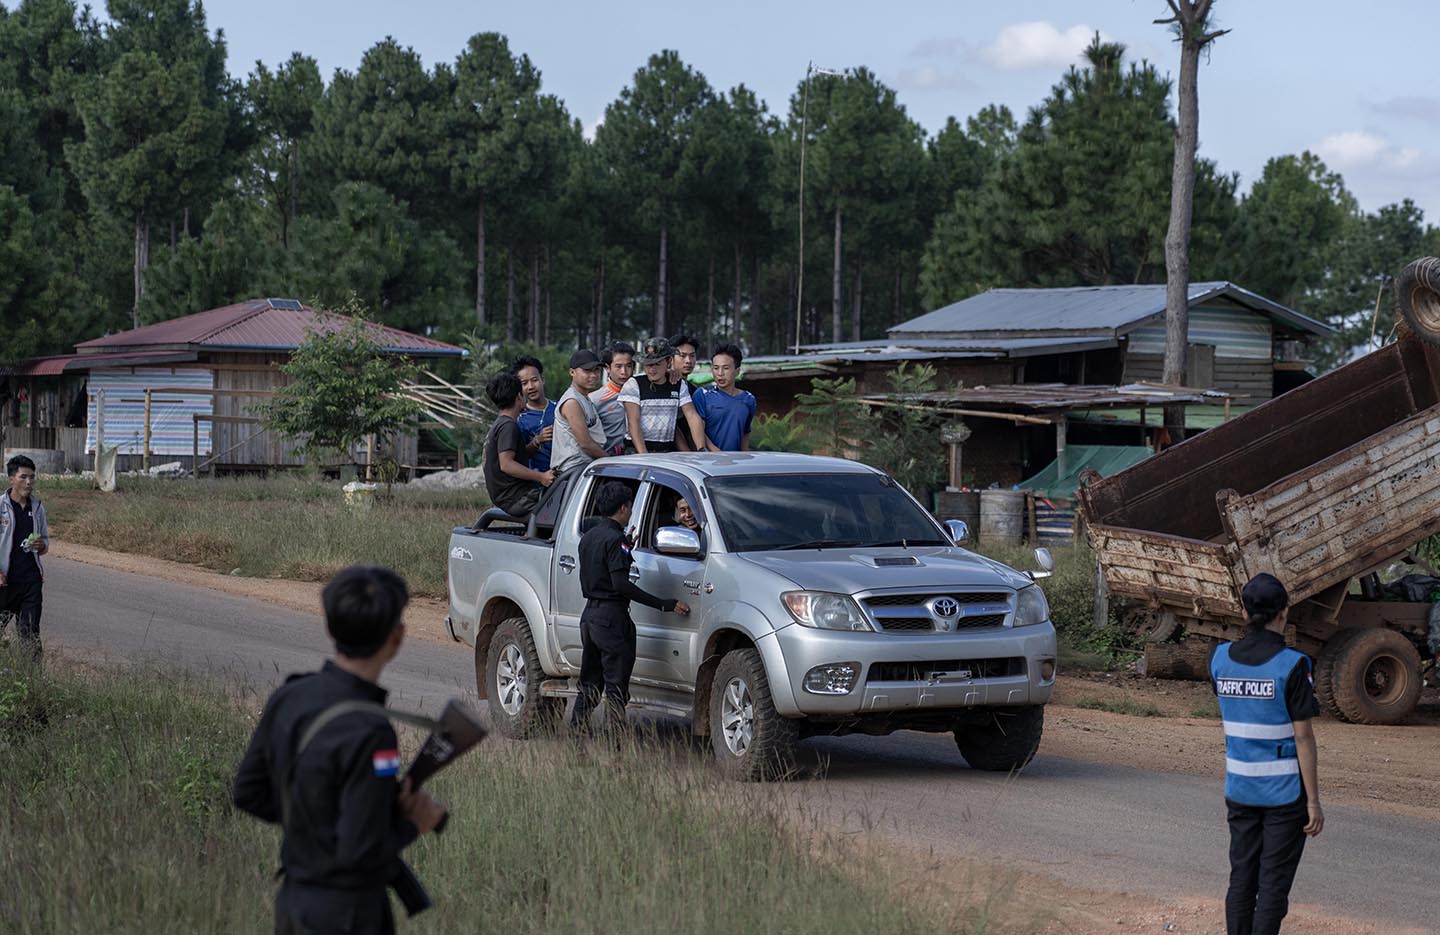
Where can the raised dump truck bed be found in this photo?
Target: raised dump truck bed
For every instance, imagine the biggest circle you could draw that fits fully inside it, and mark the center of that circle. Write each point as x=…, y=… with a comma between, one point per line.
x=1318, y=487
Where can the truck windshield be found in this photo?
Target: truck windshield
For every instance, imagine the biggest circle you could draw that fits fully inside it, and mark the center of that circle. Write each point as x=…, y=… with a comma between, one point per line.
x=759, y=512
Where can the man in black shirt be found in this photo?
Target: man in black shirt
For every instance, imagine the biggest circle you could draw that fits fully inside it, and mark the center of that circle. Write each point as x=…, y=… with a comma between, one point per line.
x=344, y=817
x=513, y=486
x=607, y=634
x=24, y=537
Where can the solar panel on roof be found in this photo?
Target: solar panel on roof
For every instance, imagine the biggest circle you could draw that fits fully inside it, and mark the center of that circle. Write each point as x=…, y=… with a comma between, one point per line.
x=292, y=305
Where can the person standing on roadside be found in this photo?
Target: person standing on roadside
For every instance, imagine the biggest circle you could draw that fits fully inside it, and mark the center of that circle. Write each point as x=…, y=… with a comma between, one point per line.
x=607, y=634
x=537, y=419
x=512, y=486
x=1272, y=787
x=24, y=537
x=654, y=403
x=728, y=411
x=619, y=362
x=579, y=434
x=344, y=816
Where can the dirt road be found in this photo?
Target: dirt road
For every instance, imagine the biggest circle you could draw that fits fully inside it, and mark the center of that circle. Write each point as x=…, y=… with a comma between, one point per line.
x=1119, y=820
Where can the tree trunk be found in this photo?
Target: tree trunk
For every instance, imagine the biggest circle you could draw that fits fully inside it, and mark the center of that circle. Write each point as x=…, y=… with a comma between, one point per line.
x=755, y=336
x=480, y=263
x=855, y=304
x=1191, y=17
x=598, y=309
x=510, y=293
x=835, y=282
x=895, y=310
x=545, y=332
x=660, y=296
x=709, y=305
x=533, y=330
x=174, y=234
x=736, y=331
x=294, y=188
x=185, y=224
x=142, y=259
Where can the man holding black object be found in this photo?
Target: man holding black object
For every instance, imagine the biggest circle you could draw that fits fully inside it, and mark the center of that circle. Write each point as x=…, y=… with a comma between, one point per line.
x=607, y=634
x=324, y=762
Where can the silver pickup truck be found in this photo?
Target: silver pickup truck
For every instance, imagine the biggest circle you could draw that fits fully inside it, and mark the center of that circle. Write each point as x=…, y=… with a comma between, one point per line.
x=824, y=600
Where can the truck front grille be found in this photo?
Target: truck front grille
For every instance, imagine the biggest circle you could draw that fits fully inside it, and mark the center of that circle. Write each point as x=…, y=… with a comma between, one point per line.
x=910, y=613
x=927, y=671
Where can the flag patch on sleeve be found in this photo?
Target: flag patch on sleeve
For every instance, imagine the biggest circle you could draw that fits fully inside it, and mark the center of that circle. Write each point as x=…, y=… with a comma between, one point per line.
x=387, y=762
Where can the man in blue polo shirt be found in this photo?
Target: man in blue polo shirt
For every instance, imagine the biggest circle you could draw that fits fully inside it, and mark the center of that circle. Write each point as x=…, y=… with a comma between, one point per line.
x=728, y=411
x=1272, y=791
x=537, y=419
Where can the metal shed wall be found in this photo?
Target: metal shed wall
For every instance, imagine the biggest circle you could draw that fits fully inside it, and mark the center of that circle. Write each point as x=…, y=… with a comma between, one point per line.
x=1233, y=332
x=174, y=403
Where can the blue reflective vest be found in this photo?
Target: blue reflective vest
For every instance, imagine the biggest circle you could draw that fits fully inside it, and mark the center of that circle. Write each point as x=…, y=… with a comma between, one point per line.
x=1261, y=767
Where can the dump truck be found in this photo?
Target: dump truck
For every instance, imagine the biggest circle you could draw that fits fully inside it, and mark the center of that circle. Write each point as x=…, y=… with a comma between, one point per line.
x=1325, y=487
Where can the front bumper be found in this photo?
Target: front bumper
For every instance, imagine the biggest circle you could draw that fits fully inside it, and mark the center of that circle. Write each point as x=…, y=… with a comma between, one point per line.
x=924, y=672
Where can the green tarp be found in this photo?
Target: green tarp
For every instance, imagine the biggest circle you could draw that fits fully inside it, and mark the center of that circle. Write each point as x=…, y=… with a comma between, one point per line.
x=1059, y=480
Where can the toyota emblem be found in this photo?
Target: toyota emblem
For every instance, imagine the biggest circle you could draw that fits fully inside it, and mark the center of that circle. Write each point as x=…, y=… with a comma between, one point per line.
x=946, y=607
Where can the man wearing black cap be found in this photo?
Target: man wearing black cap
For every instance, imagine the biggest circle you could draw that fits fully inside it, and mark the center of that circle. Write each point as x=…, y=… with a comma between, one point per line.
x=654, y=403
x=579, y=433
x=1272, y=790
x=344, y=816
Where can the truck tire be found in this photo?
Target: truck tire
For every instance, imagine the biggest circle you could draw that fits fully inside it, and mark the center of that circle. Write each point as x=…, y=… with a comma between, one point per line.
x=1005, y=742
x=1417, y=296
x=512, y=683
x=752, y=742
x=1376, y=677
x=1325, y=671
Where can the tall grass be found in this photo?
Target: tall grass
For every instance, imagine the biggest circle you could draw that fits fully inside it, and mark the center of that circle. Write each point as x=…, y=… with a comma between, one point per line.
x=285, y=526
x=114, y=817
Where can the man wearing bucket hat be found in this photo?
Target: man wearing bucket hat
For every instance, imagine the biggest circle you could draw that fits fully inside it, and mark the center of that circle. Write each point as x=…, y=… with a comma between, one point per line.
x=654, y=403
x=1272, y=791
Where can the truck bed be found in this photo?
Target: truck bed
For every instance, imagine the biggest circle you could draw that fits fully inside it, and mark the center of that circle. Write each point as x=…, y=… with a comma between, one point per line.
x=1315, y=486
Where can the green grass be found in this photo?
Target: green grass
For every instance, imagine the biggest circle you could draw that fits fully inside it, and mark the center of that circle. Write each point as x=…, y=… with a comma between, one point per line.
x=114, y=817
x=1210, y=710
x=1132, y=708
x=286, y=526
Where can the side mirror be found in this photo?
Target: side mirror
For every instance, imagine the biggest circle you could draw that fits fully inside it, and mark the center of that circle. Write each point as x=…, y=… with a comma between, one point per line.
x=1046, y=561
x=677, y=540
x=959, y=531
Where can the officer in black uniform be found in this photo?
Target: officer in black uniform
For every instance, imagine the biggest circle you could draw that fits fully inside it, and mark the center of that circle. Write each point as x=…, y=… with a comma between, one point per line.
x=344, y=816
x=607, y=634
x=1272, y=790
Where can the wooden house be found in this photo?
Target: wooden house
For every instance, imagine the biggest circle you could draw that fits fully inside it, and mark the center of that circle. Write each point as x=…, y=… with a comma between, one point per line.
x=185, y=389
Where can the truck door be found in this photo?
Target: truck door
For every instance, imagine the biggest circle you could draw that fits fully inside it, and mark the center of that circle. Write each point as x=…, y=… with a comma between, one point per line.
x=666, y=643
x=567, y=601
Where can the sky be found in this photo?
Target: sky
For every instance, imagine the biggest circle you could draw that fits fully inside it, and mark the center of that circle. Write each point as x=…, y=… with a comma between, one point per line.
x=1353, y=82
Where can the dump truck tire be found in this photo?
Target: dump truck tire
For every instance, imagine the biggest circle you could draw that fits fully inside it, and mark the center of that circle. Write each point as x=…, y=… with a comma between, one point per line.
x=1325, y=671
x=1417, y=298
x=1376, y=677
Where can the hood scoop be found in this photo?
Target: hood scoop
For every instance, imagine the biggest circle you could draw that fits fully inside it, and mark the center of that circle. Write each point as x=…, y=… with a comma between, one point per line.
x=894, y=561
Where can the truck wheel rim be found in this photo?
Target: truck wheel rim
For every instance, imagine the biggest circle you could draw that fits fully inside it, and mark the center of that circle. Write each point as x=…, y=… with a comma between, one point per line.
x=1386, y=679
x=510, y=679
x=737, y=716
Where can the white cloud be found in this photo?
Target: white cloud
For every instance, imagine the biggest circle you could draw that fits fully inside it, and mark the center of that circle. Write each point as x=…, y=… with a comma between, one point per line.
x=932, y=78
x=1037, y=44
x=1361, y=149
x=588, y=130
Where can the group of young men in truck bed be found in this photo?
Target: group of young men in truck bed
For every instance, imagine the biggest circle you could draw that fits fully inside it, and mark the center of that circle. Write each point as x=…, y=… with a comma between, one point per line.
x=610, y=409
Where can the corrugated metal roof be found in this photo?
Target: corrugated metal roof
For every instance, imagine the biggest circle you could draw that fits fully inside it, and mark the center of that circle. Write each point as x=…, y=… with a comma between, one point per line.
x=899, y=347
x=1083, y=309
x=258, y=325
x=54, y=366
x=1055, y=397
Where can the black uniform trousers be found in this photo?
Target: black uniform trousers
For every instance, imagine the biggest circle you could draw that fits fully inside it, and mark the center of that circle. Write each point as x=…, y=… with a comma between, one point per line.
x=24, y=599
x=302, y=909
x=607, y=657
x=1265, y=848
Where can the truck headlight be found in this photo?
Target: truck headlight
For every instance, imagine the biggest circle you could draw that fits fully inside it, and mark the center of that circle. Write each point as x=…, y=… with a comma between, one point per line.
x=825, y=611
x=1031, y=607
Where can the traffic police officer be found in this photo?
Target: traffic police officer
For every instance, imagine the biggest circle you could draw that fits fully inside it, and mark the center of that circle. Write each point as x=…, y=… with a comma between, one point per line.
x=344, y=816
x=1271, y=788
x=607, y=634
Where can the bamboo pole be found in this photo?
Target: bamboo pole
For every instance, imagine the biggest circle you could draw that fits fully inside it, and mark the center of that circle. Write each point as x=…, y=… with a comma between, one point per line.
x=145, y=456
x=978, y=413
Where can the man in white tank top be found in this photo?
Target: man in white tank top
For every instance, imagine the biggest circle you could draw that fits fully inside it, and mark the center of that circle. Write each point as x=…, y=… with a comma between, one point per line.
x=579, y=433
